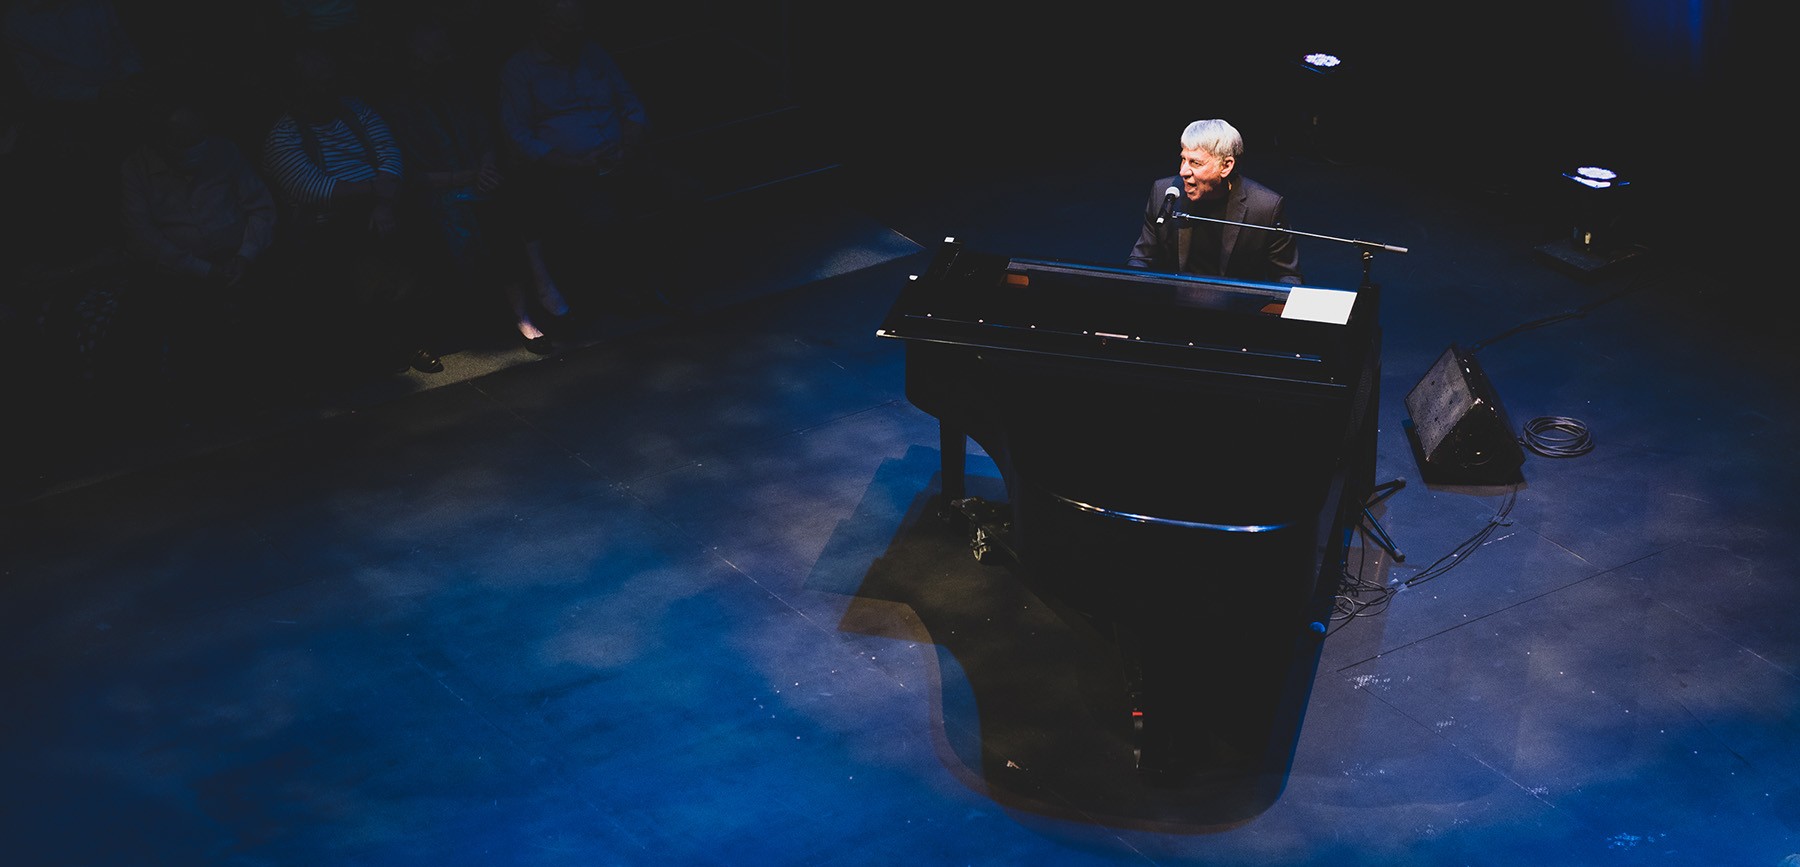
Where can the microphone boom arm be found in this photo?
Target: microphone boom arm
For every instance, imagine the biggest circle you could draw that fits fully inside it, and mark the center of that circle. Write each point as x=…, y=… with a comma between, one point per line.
x=1179, y=215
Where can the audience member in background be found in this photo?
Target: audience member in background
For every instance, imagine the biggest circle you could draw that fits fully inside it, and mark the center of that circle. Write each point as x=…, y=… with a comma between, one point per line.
x=345, y=27
x=59, y=252
x=81, y=75
x=73, y=52
x=577, y=129
x=227, y=49
x=337, y=170
x=16, y=310
x=1208, y=185
x=197, y=217
x=456, y=194
x=486, y=33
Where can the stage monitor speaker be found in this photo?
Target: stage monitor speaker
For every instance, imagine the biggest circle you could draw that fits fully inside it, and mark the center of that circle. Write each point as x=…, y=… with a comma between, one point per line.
x=1458, y=429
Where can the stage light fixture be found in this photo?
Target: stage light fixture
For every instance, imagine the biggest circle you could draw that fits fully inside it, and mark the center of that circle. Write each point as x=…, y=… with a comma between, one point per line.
x=1596, y=177
x=1596, y=208
x=1321, y=62
x=1322, y=106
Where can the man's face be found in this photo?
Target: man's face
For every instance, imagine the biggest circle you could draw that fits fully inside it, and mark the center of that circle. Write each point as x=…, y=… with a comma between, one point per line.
x=1203, y=175
x=316, y=76
x=183, y=141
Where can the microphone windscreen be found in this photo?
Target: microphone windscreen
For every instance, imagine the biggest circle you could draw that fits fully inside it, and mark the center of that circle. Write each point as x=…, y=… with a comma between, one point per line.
x=1168, y=204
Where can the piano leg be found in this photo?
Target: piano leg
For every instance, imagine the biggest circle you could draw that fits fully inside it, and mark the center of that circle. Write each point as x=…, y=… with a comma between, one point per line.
x=952, y=443
x=987, y=523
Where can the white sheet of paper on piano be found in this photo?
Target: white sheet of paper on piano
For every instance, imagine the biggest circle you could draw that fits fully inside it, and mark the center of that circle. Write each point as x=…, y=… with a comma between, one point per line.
x=1318, y=305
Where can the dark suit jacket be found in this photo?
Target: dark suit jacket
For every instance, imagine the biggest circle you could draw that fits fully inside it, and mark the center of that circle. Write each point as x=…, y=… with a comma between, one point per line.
x=1248, y=254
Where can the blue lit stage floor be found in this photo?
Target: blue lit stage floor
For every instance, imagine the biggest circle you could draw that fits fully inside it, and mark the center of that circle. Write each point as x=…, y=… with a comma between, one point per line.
x=674, y=596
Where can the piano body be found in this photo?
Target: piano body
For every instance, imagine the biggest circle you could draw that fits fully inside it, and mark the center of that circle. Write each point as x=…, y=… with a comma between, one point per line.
x=1184, y=466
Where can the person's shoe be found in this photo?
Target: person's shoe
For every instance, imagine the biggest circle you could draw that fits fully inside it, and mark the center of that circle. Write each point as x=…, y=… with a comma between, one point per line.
x=536, y=341
x=424, y=362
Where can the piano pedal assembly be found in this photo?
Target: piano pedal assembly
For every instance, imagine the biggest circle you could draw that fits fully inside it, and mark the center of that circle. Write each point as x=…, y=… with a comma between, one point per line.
x=989, y=525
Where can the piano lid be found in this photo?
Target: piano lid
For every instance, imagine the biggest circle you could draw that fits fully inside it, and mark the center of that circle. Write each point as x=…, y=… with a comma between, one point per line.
x=987, y=301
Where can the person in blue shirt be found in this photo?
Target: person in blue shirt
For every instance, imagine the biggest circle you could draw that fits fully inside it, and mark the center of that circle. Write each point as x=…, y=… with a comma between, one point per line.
x=578, y=132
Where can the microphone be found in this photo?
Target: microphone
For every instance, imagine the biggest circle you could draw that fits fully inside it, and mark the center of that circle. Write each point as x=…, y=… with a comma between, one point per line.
x=1168, y=205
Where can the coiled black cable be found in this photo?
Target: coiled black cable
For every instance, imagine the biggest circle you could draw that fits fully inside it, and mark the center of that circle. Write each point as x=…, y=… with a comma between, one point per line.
x=1555, y=436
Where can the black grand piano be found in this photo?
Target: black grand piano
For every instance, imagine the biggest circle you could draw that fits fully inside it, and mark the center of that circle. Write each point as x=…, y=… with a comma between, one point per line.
x=1185, y=462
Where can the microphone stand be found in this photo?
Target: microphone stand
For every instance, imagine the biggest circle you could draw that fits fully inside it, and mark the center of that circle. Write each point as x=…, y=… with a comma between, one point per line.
x=1368, y=247
x=1386, y=489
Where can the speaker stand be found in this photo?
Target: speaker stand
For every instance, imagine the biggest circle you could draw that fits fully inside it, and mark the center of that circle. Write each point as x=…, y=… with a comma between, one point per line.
x=1373, y=526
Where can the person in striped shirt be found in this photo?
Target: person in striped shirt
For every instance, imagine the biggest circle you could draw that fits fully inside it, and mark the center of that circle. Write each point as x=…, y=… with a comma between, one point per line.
x=337, y=169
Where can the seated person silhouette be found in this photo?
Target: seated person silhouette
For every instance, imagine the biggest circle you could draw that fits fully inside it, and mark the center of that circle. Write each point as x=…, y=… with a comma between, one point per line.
x=456, y=197
x=197, y=218
x=579, y=133
x=80, y=75
x=337, y=171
